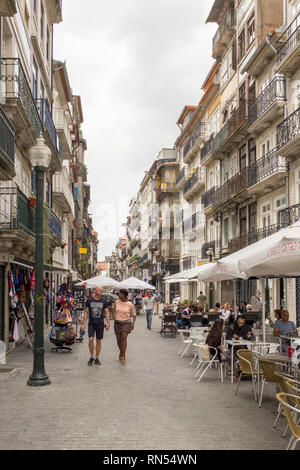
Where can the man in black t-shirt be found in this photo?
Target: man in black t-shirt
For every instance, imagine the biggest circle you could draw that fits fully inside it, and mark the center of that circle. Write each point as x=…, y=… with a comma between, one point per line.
x=95, y=308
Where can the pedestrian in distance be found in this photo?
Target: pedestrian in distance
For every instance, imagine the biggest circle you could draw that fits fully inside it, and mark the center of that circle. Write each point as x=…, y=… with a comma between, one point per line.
x=149, y=303
x=123, y=312
x=95, y=308
x=157, y=298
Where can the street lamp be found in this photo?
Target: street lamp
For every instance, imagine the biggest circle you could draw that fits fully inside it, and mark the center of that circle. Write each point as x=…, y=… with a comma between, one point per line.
x=40, y=157
x=210, y=253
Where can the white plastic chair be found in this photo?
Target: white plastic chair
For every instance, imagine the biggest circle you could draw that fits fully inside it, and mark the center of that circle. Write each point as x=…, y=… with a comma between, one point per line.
x=205, y=359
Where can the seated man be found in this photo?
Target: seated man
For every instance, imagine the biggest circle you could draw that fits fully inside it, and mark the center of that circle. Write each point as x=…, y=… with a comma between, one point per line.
x=243, y=307
x=240, y=329
x=186, y=316
x=285, y=327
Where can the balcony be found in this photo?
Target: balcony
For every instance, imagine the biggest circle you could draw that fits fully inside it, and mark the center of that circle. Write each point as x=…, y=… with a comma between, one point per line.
x=7, y=148
x=267, y=172
x=165, y=188
x=18, y=102
x=165, y=161
x=232, y=133
x=289, y=216
x=62, y=192
x=8, y=8
x=17, y=223
x=288, y=135
x=181, y=178
x=187, y=263
x=224, y=34
x=77, y=197
x=208, y=246
x=61, y=119
x=50, y=133
x=144, y=260
x=208, y=198
x=194, y=142
x=206, y=150
x=268, y=106
x=192, y=222
x=55, y=9
x=55, y=228
x=241, y=242
x=288, y=52
x=232, y=189
x=195, y=183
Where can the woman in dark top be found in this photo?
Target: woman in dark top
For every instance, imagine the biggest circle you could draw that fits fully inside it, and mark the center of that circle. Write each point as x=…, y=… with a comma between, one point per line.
x=214, y=338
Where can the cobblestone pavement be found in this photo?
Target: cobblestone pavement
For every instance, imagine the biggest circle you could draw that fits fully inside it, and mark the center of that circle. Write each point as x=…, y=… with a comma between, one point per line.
x=151, y=403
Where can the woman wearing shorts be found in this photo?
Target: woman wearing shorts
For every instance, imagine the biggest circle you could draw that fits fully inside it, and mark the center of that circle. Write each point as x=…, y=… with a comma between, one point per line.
x=123, y=310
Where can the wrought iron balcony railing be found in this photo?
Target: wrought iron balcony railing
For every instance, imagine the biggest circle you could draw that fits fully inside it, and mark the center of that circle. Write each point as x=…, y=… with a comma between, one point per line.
x=275, y=91
x=187, y=263
x=289, y=129
x=16, y=213
x=199, y=132
x=235, y=122
x=17, y=87
x=208, y=197
x=7, y=142
x=289, y=216
x=55, y=225
x=266, y=166
x=182, y=174
x=163, y=161
x=47, y=121
x=207, y=147
x=198, y=177
x=236, y=244
x=289, y=40
x=228, y=23
x=232, y=187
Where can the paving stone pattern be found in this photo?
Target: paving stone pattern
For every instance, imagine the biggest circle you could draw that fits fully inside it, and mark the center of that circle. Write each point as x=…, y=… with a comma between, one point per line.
x=153, y=402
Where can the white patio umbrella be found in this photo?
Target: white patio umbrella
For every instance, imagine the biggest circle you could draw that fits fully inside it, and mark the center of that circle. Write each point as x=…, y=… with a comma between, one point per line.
x=100, y=281
x=134, y=283
x=221, y=271
x=276, y=255
x=186, y=275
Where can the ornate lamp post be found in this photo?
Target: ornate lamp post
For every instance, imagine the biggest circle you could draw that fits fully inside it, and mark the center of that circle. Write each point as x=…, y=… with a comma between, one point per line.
x=40, y=157
x=210, y=253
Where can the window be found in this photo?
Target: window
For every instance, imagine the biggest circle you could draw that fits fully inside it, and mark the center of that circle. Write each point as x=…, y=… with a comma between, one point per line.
x=243, y=157
x=35, y=6
x=266, y=215
x=242, y=93
x=297, y=173
x=252, y=151
x=251, y=30
x=265, y=148
x=35, y=80
x=48, y=44
x=225, y=232
x=251, y=91
x=233, y=226
x=280, y=202
x=42, y=20
x=241, y=45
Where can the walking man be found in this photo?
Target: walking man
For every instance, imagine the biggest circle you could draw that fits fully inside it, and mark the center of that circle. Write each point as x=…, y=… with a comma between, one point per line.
x=149, y=302
x=157, y=298
x=95, y=308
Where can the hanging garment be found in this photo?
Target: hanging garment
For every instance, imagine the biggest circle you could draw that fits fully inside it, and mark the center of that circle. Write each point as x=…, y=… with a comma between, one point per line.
x=15, y=334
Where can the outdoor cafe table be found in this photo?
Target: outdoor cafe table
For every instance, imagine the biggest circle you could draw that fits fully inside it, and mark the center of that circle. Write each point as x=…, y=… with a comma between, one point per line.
x=284, y=360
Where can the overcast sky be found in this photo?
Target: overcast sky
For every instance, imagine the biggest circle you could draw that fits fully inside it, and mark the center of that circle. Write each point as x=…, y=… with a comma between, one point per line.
x=135, y=63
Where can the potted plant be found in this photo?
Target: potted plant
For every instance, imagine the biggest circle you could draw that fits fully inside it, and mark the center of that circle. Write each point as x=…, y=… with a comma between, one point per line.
x=32, y=200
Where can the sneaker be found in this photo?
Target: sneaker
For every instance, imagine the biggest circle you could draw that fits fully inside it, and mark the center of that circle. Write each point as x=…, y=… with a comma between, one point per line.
x=97, y=362
x=91, y=361
x=123, y=361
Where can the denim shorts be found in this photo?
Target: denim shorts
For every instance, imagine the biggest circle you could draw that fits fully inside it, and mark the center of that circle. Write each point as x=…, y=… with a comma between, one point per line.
x=97, y=328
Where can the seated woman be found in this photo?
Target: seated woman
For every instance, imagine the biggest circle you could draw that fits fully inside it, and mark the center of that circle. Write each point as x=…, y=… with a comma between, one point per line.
x=225, y=313
x=214, y=339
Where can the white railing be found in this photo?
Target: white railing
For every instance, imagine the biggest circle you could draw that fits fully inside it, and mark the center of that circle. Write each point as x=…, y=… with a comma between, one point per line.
x=61, y=184
x=61, y=124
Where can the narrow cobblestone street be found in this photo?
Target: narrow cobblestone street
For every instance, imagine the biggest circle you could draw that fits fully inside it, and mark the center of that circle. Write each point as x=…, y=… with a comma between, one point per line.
x=151, y=403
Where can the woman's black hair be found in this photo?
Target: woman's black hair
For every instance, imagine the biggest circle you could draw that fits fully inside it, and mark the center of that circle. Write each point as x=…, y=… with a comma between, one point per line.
x=124, y=292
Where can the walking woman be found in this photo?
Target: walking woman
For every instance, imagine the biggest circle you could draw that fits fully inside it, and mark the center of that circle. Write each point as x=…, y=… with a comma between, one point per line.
x=123, y=310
